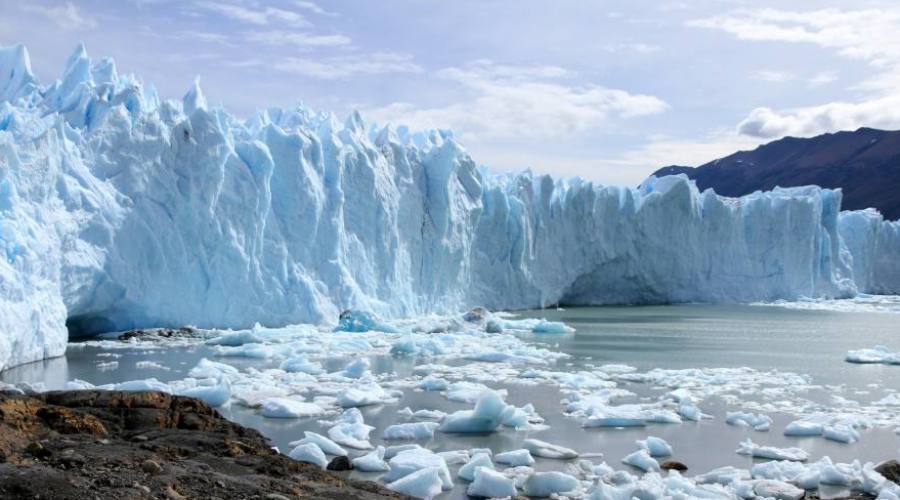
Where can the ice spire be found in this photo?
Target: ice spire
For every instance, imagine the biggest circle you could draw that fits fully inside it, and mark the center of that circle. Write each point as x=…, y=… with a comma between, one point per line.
x=194, y=98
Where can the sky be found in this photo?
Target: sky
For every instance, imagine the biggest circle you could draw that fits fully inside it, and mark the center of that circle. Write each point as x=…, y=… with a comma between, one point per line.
x=608, y=91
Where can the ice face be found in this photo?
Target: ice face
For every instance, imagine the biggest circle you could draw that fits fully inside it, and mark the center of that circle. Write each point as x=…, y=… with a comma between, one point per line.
x=120, y=210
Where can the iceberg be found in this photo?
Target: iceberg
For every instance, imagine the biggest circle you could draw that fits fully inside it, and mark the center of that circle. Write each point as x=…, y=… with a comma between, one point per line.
x=545, y=484
x=371, y=462
x=491, y=484
x=309, y=452
x=121, y=210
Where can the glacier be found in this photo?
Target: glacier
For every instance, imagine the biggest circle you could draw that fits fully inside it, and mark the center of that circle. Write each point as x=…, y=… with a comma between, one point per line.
x=119, y=210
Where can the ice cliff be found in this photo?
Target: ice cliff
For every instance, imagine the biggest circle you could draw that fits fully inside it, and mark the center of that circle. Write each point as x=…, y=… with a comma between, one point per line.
x=119, y=210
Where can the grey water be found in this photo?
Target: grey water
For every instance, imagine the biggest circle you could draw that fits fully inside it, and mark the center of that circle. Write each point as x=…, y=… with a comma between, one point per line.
x=672, y=337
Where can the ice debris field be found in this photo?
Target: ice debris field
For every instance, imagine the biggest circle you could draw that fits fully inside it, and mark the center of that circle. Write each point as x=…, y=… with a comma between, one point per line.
x=472, y=361
x=120, y=210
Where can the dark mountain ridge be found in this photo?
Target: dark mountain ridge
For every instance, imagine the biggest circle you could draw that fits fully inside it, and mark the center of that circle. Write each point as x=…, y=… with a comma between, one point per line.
x=864, y=163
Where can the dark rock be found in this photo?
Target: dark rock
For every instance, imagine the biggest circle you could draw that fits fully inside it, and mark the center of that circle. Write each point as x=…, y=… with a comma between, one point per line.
x=151, y=467
x=340, y=464
x=890, y=470
x=37, y=450
x=673, y=465
x=160, y=334
x=190, y=452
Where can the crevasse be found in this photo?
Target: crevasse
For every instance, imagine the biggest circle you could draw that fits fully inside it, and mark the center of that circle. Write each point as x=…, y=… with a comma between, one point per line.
x=121, y=210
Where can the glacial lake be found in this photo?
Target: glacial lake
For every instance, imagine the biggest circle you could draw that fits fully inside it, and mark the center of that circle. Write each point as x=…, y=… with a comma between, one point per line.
x=675, y=337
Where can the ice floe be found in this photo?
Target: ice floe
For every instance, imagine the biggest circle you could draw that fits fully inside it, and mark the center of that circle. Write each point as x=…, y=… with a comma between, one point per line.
x=544, y=449
x=289, y=408
x=878, y=354
x=748, y=447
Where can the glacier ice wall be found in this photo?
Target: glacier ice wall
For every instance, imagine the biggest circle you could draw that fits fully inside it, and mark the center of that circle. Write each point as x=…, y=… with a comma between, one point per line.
x=120, y=210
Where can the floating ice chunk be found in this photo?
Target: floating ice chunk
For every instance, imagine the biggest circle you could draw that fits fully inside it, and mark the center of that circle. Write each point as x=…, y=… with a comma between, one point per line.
x=663, y=417
x=878, y=354
x=300, y=364
x=150, y=384
x=371, y=462
x=616, y=416
x=642, y=460
x=723, y=475
x=289, y=408
x=362, y=395
x=351, y=430
x=357, y=369
x=150, y=365
x=656, y=447
x=544, y=326
x=478, y=461
x=455, y=457
x=892, y=399
x=422, y=414
x=328, y=446
x=254, y=351
x=804, y=428
x=434, y=384
x=107, y=366
x=362, y=321
x=309, y=452
x=78, y=385
x=515, y=458
x=544, y=449
x=212, y=369
x=748, y=447
x=413, y=430
x=489, y=483
x=213, y=395
x=408, y=461
x=485, y=417
x=690, y=411
x=779, y=490
x=466, y=392
x=544, y=484
x=392, y=451
x=841, y=433
x=235, y=339
x=758, y=422
x=423, y=483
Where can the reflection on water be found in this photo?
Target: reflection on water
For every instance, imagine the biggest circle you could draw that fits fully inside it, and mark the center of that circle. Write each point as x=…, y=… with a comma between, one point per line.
x=684, y=336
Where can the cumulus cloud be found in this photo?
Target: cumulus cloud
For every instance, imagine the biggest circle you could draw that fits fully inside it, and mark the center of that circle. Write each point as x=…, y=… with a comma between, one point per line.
x=508, y=102
x=869, y=35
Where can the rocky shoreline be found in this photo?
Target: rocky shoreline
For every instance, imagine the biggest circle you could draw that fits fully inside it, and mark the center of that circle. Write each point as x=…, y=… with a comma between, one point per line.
x=148, y=445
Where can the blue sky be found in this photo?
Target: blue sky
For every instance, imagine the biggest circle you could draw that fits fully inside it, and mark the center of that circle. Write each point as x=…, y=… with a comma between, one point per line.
x=605, y=90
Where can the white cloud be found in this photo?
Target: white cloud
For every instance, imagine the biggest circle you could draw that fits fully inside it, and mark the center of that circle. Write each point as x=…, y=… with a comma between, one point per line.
x=312, y=7
x=661, y=151
x=299, y=39
x=868, y=35
x=256, y=16
x=337, y=67
x=640, y=48
x=823, y=78
x=510, y=102
x=815, y=120
x=66, y=16
x=773, y=76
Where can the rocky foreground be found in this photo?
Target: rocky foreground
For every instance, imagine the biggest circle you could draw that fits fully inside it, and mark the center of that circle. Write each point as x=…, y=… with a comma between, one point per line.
x=103, y=445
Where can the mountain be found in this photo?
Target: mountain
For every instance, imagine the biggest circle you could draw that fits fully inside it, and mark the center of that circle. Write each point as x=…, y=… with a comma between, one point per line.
x=120, y=210
x=864, y=163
